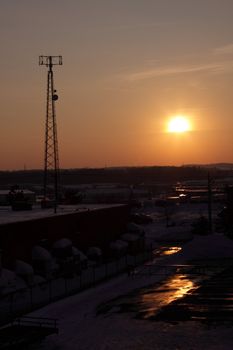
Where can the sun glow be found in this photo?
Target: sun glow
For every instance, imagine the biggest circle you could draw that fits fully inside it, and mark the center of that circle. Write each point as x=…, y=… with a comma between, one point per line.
x=179, y=124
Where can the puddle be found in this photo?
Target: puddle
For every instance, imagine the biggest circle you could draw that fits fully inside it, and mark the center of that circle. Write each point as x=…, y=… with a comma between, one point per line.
x=174, y=288
x=163, y=251
x=145, y=303
x=183, y=296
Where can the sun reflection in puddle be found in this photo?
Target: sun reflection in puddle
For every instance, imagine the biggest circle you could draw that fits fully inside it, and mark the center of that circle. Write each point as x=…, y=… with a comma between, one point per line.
x=174, y=288
x=147, y=302
x=171, y=250
x=167, y=251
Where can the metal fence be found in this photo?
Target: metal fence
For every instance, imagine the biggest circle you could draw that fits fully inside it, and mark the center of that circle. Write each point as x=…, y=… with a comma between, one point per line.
x=28, y=299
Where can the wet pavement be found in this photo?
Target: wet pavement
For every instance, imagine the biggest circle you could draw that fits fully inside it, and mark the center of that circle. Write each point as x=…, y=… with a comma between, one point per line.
x=147, y=302
x=212, y=302
x=180, y=297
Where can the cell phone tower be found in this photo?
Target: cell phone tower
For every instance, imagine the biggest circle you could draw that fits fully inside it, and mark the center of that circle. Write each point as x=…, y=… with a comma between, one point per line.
x=51, y=159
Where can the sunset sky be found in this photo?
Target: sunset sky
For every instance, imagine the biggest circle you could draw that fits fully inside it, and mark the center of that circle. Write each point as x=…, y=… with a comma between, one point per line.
x=129, y=66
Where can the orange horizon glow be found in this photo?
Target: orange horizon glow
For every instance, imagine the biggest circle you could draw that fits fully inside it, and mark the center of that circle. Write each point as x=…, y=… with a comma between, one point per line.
x=129, y=68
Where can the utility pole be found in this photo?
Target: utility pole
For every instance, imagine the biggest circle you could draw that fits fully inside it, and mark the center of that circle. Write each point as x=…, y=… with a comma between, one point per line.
x=210, y=220
x=51, y=159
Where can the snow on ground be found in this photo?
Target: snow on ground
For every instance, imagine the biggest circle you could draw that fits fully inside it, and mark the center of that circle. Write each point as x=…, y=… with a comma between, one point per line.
x=80, y=327
x=215, y=246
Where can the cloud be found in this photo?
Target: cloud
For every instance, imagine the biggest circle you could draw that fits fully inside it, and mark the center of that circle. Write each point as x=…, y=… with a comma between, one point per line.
x=173, y=70
x=224, y=50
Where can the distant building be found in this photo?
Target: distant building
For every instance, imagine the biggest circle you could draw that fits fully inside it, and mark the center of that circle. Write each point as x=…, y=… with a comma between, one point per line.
x=5, y=196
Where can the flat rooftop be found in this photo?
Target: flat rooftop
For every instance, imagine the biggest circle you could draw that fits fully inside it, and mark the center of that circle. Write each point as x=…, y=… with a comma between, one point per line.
x=7, y=215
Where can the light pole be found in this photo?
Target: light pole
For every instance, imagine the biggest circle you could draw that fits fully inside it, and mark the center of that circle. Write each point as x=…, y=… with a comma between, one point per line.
x=51, y=159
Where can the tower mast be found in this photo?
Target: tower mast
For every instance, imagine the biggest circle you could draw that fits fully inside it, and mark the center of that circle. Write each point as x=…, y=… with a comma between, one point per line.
x=51, y=159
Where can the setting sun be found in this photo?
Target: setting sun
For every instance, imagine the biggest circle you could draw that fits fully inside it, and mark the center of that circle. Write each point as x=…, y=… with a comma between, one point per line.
x=178, y=124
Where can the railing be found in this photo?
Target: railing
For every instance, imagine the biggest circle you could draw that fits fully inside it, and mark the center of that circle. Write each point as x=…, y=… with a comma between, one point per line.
x=23, y=331
x=36, y=322
x=22, y=301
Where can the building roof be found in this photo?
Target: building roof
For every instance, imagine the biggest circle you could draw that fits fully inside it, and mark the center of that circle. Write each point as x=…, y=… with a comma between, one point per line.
x=7, y=215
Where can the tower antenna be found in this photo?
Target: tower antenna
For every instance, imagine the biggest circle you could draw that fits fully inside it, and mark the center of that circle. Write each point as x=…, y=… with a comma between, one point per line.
x=51, y=159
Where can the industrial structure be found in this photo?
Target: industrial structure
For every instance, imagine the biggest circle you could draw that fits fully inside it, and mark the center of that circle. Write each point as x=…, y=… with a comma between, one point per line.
x=51, y=159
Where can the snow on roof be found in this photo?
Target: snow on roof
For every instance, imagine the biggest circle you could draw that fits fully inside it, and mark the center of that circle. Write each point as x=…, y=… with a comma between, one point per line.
x=6, y=192
x=40, y=253
x=7, y=215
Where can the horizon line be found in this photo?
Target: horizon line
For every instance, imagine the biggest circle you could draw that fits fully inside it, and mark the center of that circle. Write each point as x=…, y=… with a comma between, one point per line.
x=125, y=166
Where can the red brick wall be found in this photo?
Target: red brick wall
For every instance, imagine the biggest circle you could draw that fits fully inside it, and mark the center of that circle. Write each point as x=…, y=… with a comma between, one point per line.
x=88, y=228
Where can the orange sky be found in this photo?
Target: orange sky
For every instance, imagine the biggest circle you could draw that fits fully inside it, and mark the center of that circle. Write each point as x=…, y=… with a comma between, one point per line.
x=128, y=67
